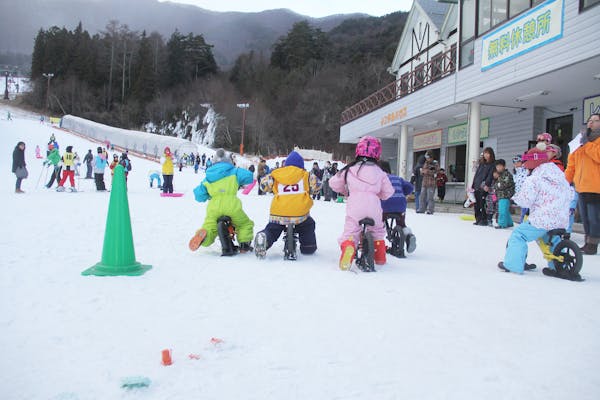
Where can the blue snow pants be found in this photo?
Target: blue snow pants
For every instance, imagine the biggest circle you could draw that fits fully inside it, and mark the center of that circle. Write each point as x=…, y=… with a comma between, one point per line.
x=504, y=218
x=305, y=231
x=516, y=249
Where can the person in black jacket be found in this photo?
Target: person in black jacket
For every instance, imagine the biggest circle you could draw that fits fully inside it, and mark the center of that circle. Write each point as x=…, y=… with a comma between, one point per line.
x=18, y=165
x=482, y=183
x=88, y=159
x=418, y=179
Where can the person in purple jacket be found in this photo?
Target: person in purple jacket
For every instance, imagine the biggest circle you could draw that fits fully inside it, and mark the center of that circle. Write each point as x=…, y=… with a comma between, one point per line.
x=395, y=207
x=365, y=184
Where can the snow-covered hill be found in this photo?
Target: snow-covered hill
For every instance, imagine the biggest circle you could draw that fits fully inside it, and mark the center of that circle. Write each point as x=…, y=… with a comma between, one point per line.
x=443, y=323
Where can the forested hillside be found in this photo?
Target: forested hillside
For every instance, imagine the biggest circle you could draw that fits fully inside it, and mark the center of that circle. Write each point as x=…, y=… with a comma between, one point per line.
x=296, y=94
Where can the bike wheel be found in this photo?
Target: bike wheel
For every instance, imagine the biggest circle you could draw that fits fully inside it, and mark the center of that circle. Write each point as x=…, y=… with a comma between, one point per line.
x=368, y=251
x=572, y=257
x=397, y=242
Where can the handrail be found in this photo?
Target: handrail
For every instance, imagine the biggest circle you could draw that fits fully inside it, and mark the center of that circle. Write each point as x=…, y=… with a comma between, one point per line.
x=440, y=66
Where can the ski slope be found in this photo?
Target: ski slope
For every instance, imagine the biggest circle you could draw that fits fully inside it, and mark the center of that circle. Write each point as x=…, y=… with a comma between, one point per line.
x=443, y=323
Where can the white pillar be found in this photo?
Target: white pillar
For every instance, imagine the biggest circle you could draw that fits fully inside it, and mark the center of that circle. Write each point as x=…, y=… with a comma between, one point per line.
x=403, y=152
x=473, y=141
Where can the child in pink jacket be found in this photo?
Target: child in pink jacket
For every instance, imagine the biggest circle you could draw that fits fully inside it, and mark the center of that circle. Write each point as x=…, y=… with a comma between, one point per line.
x=366, y=185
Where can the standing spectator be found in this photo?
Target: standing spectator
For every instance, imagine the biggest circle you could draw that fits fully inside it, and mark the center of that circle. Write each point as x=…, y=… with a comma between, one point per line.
x=505, y=190
x=328, y=173
x=316, y=181
x=262, y=171
x=440, y=181
x=196, y=163
x=89, y=157
x=203, y=159
x=418, y=180
x=125, y=162
x=482, y=181
x=167, y=170
x=19, y=168
x=54, y=160
x=77, y=163
x=428, y=172
x=583, y=170
x=520, y=173
x=99, y=167
x=68, y=160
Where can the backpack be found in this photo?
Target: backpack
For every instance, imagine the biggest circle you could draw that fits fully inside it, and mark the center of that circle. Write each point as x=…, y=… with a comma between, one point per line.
x=126, y=164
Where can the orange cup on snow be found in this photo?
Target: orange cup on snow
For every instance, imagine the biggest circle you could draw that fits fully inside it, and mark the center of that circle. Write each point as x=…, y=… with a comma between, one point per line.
x=166, y=357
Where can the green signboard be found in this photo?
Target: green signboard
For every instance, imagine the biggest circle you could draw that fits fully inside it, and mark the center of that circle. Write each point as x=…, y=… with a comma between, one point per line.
x=458, y=134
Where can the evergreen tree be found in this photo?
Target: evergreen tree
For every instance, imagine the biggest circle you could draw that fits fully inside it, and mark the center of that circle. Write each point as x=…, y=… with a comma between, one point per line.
x=144, y=87
x=37, y=58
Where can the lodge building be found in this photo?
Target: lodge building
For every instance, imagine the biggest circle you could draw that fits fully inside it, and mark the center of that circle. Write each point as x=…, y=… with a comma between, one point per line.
x=483, y=73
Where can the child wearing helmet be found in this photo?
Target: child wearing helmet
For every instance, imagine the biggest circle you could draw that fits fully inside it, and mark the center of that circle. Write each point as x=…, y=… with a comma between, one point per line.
x=547, y=194
x=167, y=170
x=220, y=186
x=365, y=184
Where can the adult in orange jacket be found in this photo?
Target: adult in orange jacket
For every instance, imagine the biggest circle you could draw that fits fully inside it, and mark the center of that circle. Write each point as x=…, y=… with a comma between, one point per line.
x=583, y=170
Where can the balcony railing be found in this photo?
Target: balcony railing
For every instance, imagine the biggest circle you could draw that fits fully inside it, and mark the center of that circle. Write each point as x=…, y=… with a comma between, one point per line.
x=438, y=67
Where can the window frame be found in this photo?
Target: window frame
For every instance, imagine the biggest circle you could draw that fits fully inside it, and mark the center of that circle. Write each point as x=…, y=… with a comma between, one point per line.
x=583, y=8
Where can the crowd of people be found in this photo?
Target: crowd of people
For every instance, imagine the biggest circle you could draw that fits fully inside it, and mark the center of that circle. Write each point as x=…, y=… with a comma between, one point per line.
x=539, y=184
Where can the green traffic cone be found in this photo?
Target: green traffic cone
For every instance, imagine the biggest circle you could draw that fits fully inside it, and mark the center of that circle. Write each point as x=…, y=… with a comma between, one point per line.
x=118, y=254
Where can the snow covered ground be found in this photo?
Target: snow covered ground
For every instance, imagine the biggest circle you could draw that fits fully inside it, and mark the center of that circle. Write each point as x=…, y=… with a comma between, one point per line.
x=442, y=324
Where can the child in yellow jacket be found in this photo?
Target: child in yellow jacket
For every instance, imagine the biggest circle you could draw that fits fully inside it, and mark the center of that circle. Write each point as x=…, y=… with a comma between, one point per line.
x=291, y=204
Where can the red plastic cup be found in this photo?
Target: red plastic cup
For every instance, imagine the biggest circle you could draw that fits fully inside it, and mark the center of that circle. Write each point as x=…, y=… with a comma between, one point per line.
x=166, y=357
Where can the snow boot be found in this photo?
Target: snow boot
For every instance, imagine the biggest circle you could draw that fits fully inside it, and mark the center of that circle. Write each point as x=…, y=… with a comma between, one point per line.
x=530, y=267
x=60, y=189
x=348, y=251
x=245, y=247
x=502, y=267
x=260, y=245
x=411, y=240
x=590, y=248
x=197, y=239
x=379, y=254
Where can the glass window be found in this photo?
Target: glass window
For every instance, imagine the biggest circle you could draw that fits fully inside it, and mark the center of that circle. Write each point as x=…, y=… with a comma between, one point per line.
x=499, y=11
x=467, y=54
x=484, y=21
x=517, y=6
x=588, y=3
x=468, y=19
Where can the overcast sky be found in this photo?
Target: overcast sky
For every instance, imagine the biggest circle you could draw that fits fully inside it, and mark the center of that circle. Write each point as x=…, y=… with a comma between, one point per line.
x=312, y=8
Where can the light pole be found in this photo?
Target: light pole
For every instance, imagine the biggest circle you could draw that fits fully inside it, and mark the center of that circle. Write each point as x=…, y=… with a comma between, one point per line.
x=243, y=106
x=48, y=76
x=6, y=85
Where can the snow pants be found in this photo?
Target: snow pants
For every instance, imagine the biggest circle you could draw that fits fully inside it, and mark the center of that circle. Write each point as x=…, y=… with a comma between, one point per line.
x=589, y=209
x=167, y=184
x=305, y=231
x=516, y=249
x=244, y=226
x=504, y=218
x=68, y=174
x=99, y=179
x=55, y=175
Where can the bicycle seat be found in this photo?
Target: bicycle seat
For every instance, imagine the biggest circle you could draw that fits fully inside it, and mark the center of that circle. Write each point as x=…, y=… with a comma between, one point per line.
x=557, y=232
x=367, y=221
x=224, y=218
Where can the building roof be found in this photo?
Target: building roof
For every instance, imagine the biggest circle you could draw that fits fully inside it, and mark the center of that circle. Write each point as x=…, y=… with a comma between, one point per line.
x=435, y=10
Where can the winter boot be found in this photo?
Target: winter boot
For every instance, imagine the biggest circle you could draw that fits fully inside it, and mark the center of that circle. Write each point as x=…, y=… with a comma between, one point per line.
x=245, y=247
x=60, y=189
x=411, y=240
x=260, y=245
x=197, y=240
x=379, y=255
x=348, y=251
x=590, y=248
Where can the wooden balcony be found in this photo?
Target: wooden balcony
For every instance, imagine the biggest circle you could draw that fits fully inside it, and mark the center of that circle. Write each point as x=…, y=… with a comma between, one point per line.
x=440, y=66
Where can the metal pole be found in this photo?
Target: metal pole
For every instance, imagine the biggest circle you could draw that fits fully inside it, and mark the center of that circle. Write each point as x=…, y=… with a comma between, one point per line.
x=6, y=85
x=243, y=126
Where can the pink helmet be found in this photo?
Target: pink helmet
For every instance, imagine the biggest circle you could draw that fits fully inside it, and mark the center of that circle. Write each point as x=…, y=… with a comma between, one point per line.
x=544, y=137
x=368, y=146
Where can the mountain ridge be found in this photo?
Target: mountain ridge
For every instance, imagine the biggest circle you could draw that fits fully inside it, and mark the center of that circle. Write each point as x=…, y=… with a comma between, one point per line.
x=232, y=33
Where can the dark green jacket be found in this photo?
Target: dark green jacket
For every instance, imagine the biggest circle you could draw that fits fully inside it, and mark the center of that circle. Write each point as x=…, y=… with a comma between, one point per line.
x=505, y=185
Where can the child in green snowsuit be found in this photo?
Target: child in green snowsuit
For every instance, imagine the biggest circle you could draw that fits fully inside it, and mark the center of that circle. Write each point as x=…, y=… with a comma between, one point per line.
x=220, y=186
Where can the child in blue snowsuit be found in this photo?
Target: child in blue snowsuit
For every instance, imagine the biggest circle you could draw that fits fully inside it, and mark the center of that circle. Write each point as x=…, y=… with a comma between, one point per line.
x=395, y=207
x=154, y=175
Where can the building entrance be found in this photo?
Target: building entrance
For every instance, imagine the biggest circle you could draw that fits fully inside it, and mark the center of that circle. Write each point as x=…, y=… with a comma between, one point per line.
x=561, y=129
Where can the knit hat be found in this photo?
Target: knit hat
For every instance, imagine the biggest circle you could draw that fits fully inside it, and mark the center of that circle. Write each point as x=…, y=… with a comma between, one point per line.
x=534, y=158
x=554, y=149
x=69, y=149
x=295, y=160
x=222, y=156
x=99, y=149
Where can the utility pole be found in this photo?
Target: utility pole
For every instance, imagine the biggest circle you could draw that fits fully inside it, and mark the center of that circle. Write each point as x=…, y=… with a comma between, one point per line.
x=243, y=106
x=6, y=85
x=48, y=76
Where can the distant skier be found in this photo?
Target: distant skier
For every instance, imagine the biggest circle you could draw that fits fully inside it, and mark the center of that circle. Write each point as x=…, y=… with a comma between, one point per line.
x=99, y=167
x=89, y=157
x=167, y=170
x=68, y=160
